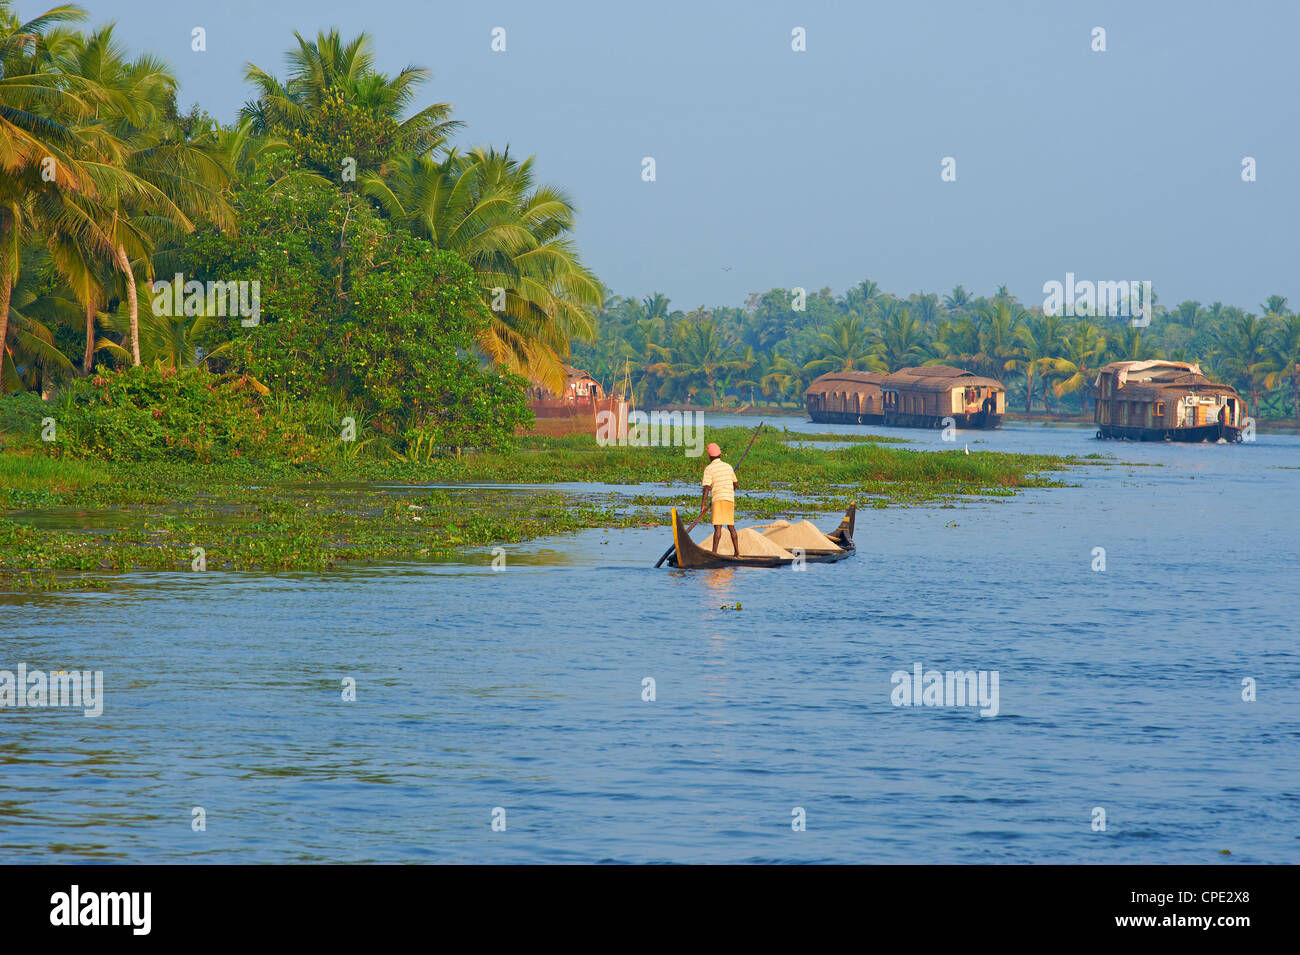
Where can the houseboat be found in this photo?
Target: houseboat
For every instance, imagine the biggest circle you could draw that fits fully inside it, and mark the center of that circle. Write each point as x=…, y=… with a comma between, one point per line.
x=574, y=410
x=846, y=397
x=909, y=398
x=923, y=397
x=1166, y=401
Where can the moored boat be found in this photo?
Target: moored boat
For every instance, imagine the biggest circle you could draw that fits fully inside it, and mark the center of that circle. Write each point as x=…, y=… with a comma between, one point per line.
x=688, y=554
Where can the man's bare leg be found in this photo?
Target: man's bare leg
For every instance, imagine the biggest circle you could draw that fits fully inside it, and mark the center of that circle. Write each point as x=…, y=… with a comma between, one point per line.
x=735, y=540
x=717, y=536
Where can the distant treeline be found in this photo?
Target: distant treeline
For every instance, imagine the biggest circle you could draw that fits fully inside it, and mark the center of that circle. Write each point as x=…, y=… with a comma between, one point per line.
x=781, y=340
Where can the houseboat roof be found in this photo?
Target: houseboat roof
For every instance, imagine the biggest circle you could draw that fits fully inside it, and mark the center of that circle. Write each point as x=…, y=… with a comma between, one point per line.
x=1139, y=378
x=937, y=378
x=853, y=382
x=577, y=374
x=1155, y=369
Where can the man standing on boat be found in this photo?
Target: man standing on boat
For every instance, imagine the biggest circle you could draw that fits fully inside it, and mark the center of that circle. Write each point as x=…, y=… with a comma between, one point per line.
x=720, y=482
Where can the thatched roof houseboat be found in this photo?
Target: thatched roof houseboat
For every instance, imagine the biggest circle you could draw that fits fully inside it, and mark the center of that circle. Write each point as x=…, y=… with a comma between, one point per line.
x=919, y=397
x=846, y=397
x=1166, y=400
x=576, y=408
x=579, y=388
x=923, y=397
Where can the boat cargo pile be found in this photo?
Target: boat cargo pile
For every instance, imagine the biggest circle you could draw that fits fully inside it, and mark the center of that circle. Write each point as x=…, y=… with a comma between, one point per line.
x=770, y=545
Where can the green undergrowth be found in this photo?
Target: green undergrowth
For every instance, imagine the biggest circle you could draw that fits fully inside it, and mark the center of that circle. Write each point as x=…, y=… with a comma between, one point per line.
x=73, y=522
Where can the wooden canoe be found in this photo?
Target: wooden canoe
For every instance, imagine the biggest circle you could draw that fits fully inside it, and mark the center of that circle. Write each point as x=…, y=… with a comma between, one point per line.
x=688, y=554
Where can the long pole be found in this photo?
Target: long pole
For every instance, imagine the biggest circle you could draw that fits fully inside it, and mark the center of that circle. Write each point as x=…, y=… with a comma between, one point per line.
x=697, y=520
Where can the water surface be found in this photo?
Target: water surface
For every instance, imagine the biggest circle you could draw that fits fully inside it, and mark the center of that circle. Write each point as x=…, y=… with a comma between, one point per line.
x=1119, y=689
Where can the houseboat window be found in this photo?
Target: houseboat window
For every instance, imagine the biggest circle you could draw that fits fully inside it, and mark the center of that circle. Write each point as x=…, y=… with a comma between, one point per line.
x=1160, y=409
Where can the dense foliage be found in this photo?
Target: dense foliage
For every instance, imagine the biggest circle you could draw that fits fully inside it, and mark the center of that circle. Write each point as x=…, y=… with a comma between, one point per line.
x=151, y=414
x=382, y=320
x=374, y=292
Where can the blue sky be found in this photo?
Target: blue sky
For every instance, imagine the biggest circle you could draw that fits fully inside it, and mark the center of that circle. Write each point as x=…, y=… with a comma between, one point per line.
x=822, y=168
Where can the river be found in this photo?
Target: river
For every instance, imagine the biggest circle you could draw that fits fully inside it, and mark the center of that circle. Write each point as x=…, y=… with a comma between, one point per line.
x=1119, y=689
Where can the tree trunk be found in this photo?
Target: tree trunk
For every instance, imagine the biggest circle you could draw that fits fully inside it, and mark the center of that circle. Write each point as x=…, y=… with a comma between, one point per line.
x=1029, y=392
x=6, y=290
x=88, y=361
x=133, y=302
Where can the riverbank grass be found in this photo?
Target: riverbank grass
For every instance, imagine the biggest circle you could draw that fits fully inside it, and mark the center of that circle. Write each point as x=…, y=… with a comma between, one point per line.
x=73, y=523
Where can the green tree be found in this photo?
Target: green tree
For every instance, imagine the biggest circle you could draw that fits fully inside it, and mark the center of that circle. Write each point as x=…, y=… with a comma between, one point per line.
x=1282, y=359
x=848, y=346
x=1243, y=355
x=902, y=343
x=1081, y=360
x=698, y=357
x=335, y=105
x=1033, y=355
x=516, y=235
x=39, y=143
x=398, y=342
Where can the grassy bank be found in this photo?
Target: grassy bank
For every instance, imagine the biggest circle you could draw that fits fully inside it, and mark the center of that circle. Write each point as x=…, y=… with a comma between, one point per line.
x=71, y=523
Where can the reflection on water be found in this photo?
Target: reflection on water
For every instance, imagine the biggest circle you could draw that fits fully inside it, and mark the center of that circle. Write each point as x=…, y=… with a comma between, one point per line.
x=522, y=689
x=718, y=581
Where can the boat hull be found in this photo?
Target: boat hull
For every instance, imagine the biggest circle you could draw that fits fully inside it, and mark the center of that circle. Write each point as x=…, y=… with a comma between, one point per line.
x=689, y=555
x=979, y=421
x=1208, y=432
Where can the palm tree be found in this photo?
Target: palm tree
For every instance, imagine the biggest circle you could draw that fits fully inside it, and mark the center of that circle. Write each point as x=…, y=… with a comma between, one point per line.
x=1033, y=354
x=166, y=341
x=1282, y=363
x=34, y=359
x=846, y=347
x=336, y=104
x=697, y=358
x=997, y=329
x=147, y=180
x=656, y=305
x=958, y=300
x=514, y=233
x=87, y=277
x=1243, y=354
x=1051, y=332
x=925, y=306
x=785, y=379
x=1275, y=307
x=39, y=141
x=1130, y=347
x=956, y=342
x=1082, y=356
x=902, y=341
x=864, y=297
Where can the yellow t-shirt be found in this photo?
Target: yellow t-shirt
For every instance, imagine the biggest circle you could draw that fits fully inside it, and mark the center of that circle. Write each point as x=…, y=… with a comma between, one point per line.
x=719, y=476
